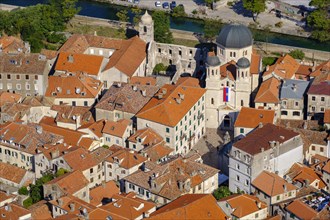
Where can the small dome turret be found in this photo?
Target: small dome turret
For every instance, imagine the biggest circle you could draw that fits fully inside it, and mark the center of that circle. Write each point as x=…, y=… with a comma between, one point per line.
x=146, y=18
x=213, y=61
x=243, y=63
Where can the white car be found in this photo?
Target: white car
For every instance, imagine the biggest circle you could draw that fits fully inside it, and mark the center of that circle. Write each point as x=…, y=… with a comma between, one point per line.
x=158, y=4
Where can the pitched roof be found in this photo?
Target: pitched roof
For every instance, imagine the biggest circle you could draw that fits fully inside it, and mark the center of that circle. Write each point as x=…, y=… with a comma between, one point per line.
x=260, y=138
x=251, y=117
x=27, y=137
x=326, y=167
x=12, y=173
x=326, y=119
x=228, y=70
x=79, y=205
x=127, y=56
x=168, y=175
x=128, y=206
x=321, y=69
x=4, y=196
x=118, y=128
x=301, y=173
x=268, y=91
x=105, y=191
x=285, y=67
x=9, y=97
x=301, y=210
x=126, y=97
x=191, y=206
x=147, y=136
x=321, y=88
x=148, y=80
x=293, y=89
x=80, y=159
x=11, y=44
x=75, y=86
x=157, y=151
x=272, y=184
x=75, y=62
x=40, y=210
x=310, y=137
x=23, y=64
x=15, y=212
x=244, y=204
x=69, y=114
x=70, y=182
x=171, y=104
x=255, y=63
x=126, y=158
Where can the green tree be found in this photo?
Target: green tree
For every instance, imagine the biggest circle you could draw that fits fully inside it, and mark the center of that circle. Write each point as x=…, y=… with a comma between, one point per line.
x=23, y=191
x=61, y=172
x=162, y=31
x=159, y=68
x=36, y=190
x=137, y=14
x=122, y=15
x=66, y=8
x=211, y=28
x=221, y=192
x=179, y=11
x=27, y=202
x=255, y=7
x=297, y=54
x=319, y=20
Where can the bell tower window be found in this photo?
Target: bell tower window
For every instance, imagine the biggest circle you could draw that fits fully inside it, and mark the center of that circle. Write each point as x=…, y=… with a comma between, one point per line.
x=145, y=29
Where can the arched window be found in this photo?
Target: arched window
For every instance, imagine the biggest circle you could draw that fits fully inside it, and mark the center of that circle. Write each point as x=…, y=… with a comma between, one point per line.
x=242, y=74
x=226, y=121
x=231, y=54
x=212, y=72
x=212, y=101
x=234, y=54
x=227, y=83
x=242, y=103
x=145, y=29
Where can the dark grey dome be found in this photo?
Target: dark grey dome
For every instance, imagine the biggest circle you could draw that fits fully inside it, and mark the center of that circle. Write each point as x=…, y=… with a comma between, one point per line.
x=243, y=62
x=213, y=61
x=235, y=36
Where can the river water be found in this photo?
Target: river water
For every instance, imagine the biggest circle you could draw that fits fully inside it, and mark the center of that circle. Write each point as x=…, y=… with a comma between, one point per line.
x=108, y=11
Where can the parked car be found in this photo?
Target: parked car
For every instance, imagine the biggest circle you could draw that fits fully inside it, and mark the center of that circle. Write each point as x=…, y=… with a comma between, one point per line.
x=166, y=5
x=158, y=4
x=136, y=1
x=173, y=4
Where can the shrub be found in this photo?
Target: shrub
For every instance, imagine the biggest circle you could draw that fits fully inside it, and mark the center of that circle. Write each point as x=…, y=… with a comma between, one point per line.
x=105, y=146
x=297, y=54
x=230, y=3
x=179, y=11
x=23, y=191
x=221, y=192
x=194, y=12
x=27, y=202
x=61, y=172
x=279, y=24
x=159, y=67
x=267, y=61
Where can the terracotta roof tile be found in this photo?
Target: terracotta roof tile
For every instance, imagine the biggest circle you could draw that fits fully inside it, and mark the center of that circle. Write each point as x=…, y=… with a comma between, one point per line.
x=80, y=159
x=326, y=167
x=12, y=45
x=118, y=128
x=40, y=210
x=322, y=88
x=70, y=182
x=4, y=196
x=148, y=80
x=285, y=67
x=191, y=206
x=148, y=137
x=12, y=173
x=251, y=117
x=105, y=191
x=79, y=205
x=75, y=62
x=301, y=210
x=255, y=63
x=9, y=97
x=321, y=69
x=127, y=159
x=76, y=86
x=299, y=172
x=271, y=184
x=69, y=114
x=164, y=108
x=128, y=206
x=326, y=119
x=157, y=151
x=260, y=138
x=15, y=212
x=126, y=97
x=268, y=91
x=244, y=204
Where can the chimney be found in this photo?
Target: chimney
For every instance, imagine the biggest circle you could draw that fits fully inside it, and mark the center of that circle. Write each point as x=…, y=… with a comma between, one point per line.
x=178, y=100
x=259, y=204
x=294, y=87
x=260, y=125
x=55, y=153
x=85, y=213
x=70, y=59
x=72, y=207
x=284, y=188
x=272, y=144
x=119, y=84
x=134, y=88
x=267, y=68
x=262, y=149
x=78, y=121
x=144, y=93
x=306, y=182
x=60, y=202
x=8, y=208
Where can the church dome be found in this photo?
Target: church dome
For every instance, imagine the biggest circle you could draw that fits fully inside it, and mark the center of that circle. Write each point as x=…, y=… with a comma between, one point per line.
x=146, y=18
x=243, y=63
x=213, y=61
x=235, y=36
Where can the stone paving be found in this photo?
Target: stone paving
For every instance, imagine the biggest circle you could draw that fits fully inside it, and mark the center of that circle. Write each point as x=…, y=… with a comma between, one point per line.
x=208, y=147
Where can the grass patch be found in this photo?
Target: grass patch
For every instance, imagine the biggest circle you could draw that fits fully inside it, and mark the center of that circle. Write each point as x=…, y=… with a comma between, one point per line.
x=78, y=28
x=185, y=42
x=268, y=61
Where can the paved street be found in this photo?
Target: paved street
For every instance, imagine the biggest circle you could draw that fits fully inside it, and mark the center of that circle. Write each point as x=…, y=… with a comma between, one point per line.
x=207, y=147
